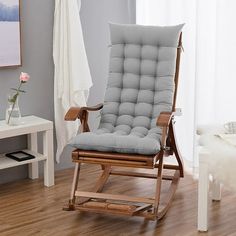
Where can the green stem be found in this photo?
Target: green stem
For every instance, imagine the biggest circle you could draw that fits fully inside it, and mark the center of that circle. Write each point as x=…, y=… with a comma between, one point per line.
x=14, y=103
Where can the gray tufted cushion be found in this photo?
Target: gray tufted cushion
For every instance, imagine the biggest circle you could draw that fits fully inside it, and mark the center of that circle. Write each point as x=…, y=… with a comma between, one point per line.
x=140, y=86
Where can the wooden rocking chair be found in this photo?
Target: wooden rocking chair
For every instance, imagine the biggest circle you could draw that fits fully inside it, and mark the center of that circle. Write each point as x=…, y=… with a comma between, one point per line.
x=137, y=121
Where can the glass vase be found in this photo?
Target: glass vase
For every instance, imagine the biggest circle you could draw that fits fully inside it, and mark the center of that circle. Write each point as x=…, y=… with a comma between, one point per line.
x=13, y=114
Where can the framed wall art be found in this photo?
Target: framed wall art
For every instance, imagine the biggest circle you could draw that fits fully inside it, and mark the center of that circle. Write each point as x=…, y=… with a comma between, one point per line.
x=10, y=39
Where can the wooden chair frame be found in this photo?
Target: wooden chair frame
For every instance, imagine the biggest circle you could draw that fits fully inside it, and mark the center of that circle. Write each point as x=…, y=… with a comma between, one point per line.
x=150, y=208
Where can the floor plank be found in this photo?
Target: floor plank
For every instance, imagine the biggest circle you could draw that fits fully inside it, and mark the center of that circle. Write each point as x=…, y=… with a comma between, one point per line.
x=29, y=208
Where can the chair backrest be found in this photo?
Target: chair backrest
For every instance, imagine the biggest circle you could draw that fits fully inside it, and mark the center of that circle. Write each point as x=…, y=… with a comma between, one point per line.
x=142, y=76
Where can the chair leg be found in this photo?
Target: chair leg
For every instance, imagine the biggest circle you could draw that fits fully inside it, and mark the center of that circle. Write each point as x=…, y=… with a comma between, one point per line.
x=160, y=207
x=103, y=178
x=158, y=186
x=71, y=204
x=176, y=149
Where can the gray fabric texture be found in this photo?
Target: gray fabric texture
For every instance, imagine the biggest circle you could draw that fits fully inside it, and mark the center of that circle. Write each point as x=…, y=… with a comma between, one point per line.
x=140, y=86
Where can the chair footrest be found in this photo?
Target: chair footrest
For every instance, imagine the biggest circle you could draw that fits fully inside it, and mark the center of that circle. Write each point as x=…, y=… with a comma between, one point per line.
x=109, y=206
x=114, y=197
x=104, y=210
x=115, y=209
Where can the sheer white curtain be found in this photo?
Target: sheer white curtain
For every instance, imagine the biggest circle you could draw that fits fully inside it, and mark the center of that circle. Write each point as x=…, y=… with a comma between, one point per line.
x=72, y=79
x=207, y=77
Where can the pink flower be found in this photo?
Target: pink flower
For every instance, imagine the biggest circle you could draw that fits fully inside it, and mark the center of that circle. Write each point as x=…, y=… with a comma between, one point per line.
x=24, y=77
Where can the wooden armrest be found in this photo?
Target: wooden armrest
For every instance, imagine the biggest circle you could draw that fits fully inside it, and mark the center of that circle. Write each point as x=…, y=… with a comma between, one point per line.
x=164, y=119
x=93, y=108
x=77, y=112
x=73, y=113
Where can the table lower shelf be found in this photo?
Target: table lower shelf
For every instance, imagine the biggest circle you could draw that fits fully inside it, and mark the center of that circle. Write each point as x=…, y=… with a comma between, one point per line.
x=6, y=162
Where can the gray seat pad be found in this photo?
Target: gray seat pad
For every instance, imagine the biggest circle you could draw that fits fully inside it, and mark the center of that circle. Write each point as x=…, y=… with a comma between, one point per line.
x=138, y=141
x=140, y=86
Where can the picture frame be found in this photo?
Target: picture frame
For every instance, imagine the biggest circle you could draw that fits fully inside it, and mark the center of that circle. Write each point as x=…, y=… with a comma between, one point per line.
x=20, y=156
x=10, y=31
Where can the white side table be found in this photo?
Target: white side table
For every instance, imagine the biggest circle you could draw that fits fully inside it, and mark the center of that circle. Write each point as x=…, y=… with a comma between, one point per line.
x=31, y=125
x=206, y=189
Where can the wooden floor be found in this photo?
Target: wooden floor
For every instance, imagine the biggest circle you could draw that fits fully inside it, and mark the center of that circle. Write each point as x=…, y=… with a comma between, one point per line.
x=29, y=208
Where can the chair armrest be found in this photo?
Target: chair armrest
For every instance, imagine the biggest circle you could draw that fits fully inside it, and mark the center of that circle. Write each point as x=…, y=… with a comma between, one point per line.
x=164, y=119
x=93, y=108
x=72, y=113
x=77, y=112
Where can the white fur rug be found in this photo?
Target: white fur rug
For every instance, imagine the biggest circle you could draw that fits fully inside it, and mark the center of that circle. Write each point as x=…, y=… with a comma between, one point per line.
x=222, y=161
